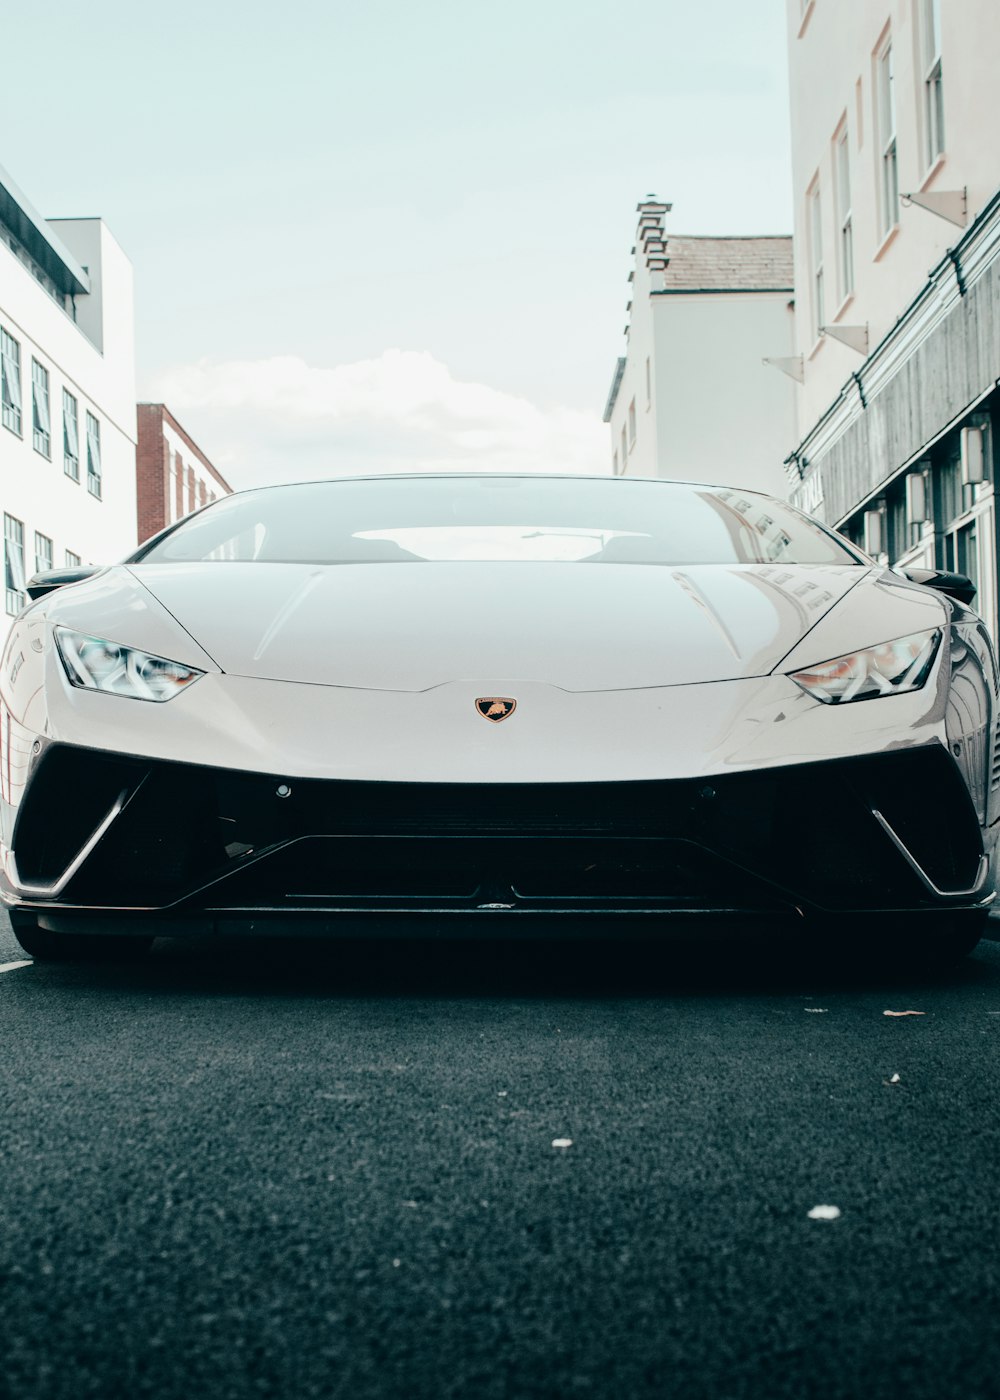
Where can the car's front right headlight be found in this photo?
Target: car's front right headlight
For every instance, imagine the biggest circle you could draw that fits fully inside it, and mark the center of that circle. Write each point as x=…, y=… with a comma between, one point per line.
x=890, y=669
x=95, y=664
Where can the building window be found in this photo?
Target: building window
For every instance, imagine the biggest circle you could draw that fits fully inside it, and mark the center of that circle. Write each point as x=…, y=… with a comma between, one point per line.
x=190, y=490
x=842, y=166
x=71, y=560
x=43, y=553
x=13, y=557
x=624, y=448
x=631, y=423
x=41, y=435
x=71, y=437
x=93, y=456
x=614, y=464
x=930, y=24
x=10, y=382
x=889, y=184
x=816, y=246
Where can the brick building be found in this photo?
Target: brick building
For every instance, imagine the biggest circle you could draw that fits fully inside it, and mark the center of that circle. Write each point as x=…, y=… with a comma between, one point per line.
x=173, y=475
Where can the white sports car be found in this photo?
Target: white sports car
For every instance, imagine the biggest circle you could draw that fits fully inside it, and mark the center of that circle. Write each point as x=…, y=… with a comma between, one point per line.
x=497, y=702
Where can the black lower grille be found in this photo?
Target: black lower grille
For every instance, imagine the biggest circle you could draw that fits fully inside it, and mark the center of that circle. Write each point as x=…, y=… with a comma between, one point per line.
x=803, y=835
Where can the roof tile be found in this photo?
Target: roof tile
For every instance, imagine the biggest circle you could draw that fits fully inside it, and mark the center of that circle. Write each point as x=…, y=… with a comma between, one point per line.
x=728, y=264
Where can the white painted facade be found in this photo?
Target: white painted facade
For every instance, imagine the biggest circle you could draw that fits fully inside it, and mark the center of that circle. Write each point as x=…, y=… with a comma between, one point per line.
x=81, y=349
x=694, y=400
x=896, y=171
x=836, y=49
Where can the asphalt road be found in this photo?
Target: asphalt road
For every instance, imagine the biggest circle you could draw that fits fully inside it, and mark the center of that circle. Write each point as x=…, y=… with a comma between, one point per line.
x=282, y=1171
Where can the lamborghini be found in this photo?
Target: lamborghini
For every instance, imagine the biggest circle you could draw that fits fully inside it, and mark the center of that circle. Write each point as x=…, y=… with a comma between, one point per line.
x=503, y=703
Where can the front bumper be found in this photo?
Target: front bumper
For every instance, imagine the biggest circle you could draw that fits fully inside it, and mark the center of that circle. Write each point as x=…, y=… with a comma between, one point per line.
x=193, y=849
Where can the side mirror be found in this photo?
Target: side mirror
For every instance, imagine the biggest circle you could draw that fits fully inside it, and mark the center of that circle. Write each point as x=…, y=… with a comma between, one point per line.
x=51, y=579
x=957, y=586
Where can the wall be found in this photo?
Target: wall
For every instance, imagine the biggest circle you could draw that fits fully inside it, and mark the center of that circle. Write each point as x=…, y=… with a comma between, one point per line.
x=35, y=490
x=722, y=415
x=831, y=61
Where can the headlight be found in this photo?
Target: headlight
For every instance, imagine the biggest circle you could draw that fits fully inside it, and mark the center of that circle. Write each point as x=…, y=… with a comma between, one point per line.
x=94, y=664
x=890, y=669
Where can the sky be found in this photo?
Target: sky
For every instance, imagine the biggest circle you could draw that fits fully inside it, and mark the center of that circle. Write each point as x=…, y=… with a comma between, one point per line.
x=392, y=236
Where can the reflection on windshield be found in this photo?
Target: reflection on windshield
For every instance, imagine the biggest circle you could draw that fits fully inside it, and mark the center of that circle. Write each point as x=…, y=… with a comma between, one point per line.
x=511, y=519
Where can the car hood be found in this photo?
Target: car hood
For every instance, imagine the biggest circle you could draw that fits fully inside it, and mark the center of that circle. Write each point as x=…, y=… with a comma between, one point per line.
x=411, y=627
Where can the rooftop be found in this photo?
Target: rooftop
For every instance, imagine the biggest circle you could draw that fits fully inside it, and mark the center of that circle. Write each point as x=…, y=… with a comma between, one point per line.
x=727, y=265
x=23, y=222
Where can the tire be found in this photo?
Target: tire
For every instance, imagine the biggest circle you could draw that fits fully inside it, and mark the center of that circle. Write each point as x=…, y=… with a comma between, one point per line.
x=46, y=946
x=932, y=944
x=950, y=940
x=897, y=944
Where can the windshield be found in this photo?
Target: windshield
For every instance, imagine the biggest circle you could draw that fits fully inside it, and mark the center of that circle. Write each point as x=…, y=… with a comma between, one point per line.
x=450, y=519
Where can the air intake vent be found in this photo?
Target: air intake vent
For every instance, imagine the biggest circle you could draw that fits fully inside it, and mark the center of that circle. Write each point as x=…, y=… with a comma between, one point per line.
x=995, y=774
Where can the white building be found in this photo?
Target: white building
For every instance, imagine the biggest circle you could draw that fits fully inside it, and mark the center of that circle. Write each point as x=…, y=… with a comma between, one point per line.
x=691, y=398
x=67, y=376
x=896, y=166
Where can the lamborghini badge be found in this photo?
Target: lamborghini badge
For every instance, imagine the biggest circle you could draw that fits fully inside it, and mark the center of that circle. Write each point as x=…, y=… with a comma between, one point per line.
x=496, y=707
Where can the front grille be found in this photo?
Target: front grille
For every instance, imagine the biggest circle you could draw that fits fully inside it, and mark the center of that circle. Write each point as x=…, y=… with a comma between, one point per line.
x=801, y=836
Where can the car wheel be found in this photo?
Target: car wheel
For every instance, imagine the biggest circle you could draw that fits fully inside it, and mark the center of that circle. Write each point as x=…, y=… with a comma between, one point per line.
x=931, y=945
x=951, y=939
x=47, y=946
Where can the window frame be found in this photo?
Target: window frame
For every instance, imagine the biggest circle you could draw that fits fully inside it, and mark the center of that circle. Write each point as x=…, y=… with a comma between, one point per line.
x=887, y=143
x=15, y=596
x=817, y=283
x=71, y=460
x=41, y=410
x=94, y=477
x=845, y=212
x=11, y=397
x=41, y=556
x=929, y=20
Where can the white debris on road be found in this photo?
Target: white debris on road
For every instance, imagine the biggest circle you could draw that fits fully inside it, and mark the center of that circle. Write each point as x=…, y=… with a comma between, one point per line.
x=824, y=1213
x=904, y=1013
x=562, y=1142
x=816, y=1010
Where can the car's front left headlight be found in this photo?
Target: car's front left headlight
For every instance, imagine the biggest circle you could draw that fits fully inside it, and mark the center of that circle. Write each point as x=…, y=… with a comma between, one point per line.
x=95, y=664
x=890, y=669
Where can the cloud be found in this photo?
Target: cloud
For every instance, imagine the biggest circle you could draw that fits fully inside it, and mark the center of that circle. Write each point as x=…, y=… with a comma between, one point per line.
x=282, y=419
